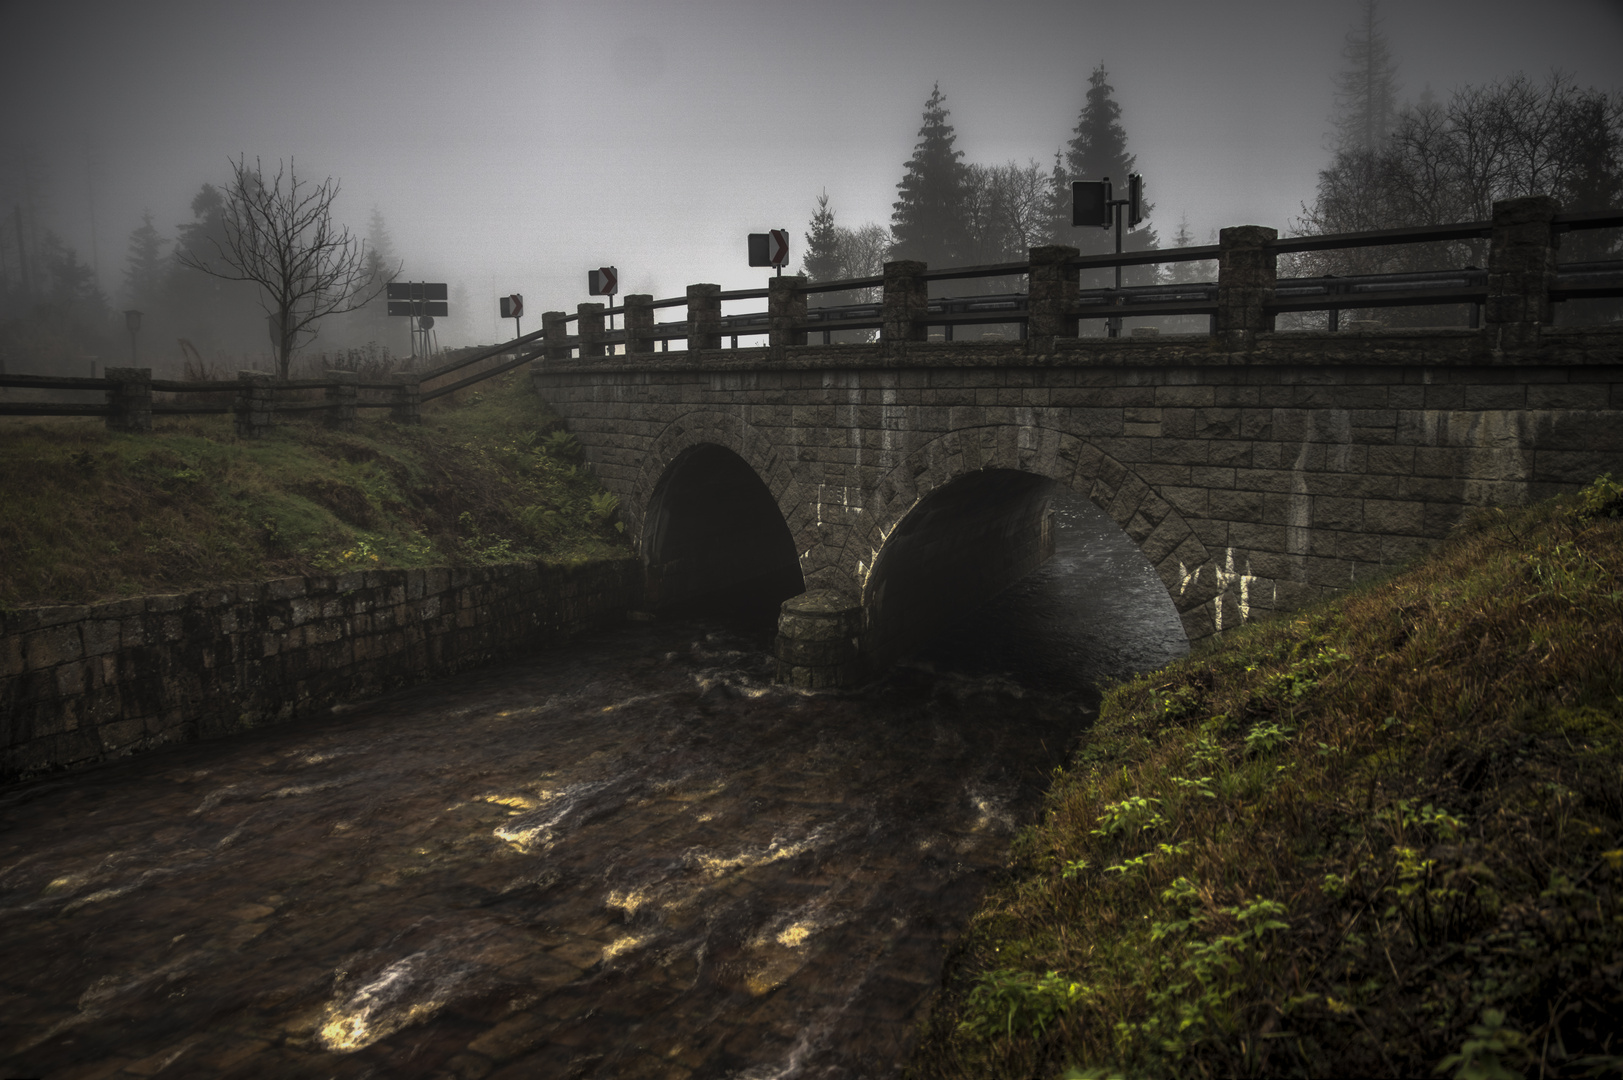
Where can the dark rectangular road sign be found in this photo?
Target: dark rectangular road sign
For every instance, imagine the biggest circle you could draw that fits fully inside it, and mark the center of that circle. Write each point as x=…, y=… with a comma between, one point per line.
x=437, y=308
x=1090, y=203
x=417, y=290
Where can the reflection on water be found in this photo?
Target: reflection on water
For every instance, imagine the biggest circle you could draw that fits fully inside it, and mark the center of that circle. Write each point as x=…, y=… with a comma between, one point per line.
x=632, y=857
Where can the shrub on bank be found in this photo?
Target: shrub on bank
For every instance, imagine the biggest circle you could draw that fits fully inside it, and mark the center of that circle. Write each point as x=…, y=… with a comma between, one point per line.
x=1382, y=837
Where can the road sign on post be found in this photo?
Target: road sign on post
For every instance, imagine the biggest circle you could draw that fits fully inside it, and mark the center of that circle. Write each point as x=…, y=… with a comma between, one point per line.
x=513, y=308
x=418, y=299
x=1090, y=203
x=770, y=248
x=604, y=281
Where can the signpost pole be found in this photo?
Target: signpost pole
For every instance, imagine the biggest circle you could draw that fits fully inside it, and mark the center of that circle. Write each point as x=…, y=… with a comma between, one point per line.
x=1115, y=321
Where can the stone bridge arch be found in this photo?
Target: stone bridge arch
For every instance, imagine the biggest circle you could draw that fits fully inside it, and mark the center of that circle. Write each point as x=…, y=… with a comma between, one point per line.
x=1004, y=453
x=706, y=512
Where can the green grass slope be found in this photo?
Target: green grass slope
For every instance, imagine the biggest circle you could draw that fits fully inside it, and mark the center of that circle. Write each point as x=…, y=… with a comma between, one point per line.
x=1383, y=837
x=88, y=514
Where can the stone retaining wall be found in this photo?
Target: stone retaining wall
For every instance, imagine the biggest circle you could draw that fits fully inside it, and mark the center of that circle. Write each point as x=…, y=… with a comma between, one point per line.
x=84, y=683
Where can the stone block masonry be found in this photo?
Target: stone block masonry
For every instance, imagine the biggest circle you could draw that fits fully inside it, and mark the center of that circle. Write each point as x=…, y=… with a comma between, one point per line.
x=1257, y=473
x=85, y=683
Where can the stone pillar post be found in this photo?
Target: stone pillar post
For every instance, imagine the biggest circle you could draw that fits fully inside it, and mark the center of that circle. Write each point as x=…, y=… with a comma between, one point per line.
x=786, y=310
x=907, y=301
x=340, y=394
x=129, y=400
x=1521, y=267
x=406, y=406
x=1054, y=287
x=639, y=323
x=556, y=334
x=255, y=402
x=1245, y=282
x=589, y=321
x=819, y=641
x=704, y=317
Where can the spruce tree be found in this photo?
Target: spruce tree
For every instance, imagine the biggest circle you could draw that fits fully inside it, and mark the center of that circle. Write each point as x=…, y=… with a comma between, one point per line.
x=822, y=262
x=1098, y=149
x=145, y=267
x=1366, y=90
x=927, y=222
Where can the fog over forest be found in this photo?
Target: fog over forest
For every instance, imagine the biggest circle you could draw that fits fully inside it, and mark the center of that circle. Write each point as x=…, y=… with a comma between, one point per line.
x=507, y=147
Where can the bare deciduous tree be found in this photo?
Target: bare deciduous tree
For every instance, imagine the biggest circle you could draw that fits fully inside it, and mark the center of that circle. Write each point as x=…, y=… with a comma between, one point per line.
x=280, y=235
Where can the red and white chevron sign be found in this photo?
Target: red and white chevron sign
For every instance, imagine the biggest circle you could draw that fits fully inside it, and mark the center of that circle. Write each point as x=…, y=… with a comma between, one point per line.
x=779, y=248
x=604, y=281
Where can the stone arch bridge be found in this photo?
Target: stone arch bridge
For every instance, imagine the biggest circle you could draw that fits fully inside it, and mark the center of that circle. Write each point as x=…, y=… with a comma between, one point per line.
x=882, y=488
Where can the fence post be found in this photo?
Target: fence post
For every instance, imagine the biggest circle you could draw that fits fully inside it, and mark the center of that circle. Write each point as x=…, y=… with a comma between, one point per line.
x=1051, y=311
x=255, y=391
x=406, y=405
x=704, y=317
x=556, y=334
x=1521, y=264
x=340, y=394
x=129, y=399
x=1245, y=283
x=907, y=301
x=786, y=310
x=639, y=323
x=589, y=325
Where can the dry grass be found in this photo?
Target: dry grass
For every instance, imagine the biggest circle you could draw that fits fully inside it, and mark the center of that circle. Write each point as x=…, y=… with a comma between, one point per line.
x=1383, y=837
x=91, y=514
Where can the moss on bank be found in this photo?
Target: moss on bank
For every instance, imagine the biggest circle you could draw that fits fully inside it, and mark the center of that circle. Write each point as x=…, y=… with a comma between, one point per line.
x=91, y=514
x=1382, y=837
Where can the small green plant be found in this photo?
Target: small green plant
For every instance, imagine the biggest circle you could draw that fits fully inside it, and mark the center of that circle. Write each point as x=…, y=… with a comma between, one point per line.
x=1265, y=738
x=560, y=445
x=1135, y=814
x=604, y=505
x=1601, y=499
x=1009, y=1003
x=1482, y=1056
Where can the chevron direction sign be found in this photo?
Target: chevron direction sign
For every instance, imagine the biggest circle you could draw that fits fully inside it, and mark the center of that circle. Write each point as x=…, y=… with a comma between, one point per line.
x=604, y=281
x=769, y=248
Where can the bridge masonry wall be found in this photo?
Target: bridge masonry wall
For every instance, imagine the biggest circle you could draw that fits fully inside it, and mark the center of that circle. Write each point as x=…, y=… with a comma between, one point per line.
x=1257, y=472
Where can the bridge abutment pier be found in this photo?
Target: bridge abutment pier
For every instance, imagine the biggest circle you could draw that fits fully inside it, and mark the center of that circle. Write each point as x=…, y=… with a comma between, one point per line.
x=819, y=643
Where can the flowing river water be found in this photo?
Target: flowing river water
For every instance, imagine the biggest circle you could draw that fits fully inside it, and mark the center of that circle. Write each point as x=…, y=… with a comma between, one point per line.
x=630, y=857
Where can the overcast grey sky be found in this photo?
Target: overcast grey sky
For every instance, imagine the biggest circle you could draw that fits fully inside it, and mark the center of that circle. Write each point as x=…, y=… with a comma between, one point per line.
x=512, y=146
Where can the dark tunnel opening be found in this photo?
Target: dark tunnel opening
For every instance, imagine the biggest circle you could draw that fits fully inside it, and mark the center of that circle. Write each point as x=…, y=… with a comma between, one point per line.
x=961, y=545
x=715, y=543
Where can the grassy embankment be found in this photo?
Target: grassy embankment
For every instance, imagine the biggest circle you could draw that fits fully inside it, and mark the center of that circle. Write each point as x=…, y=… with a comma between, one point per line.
x=1382, y=837
x=90, y=514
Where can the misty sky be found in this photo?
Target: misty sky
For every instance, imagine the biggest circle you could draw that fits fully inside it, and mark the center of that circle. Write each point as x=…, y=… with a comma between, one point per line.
x=513, y=146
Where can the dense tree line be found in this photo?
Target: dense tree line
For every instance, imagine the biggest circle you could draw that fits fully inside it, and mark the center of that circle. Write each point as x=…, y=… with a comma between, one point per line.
x=1437, y=162
x=949, y=212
